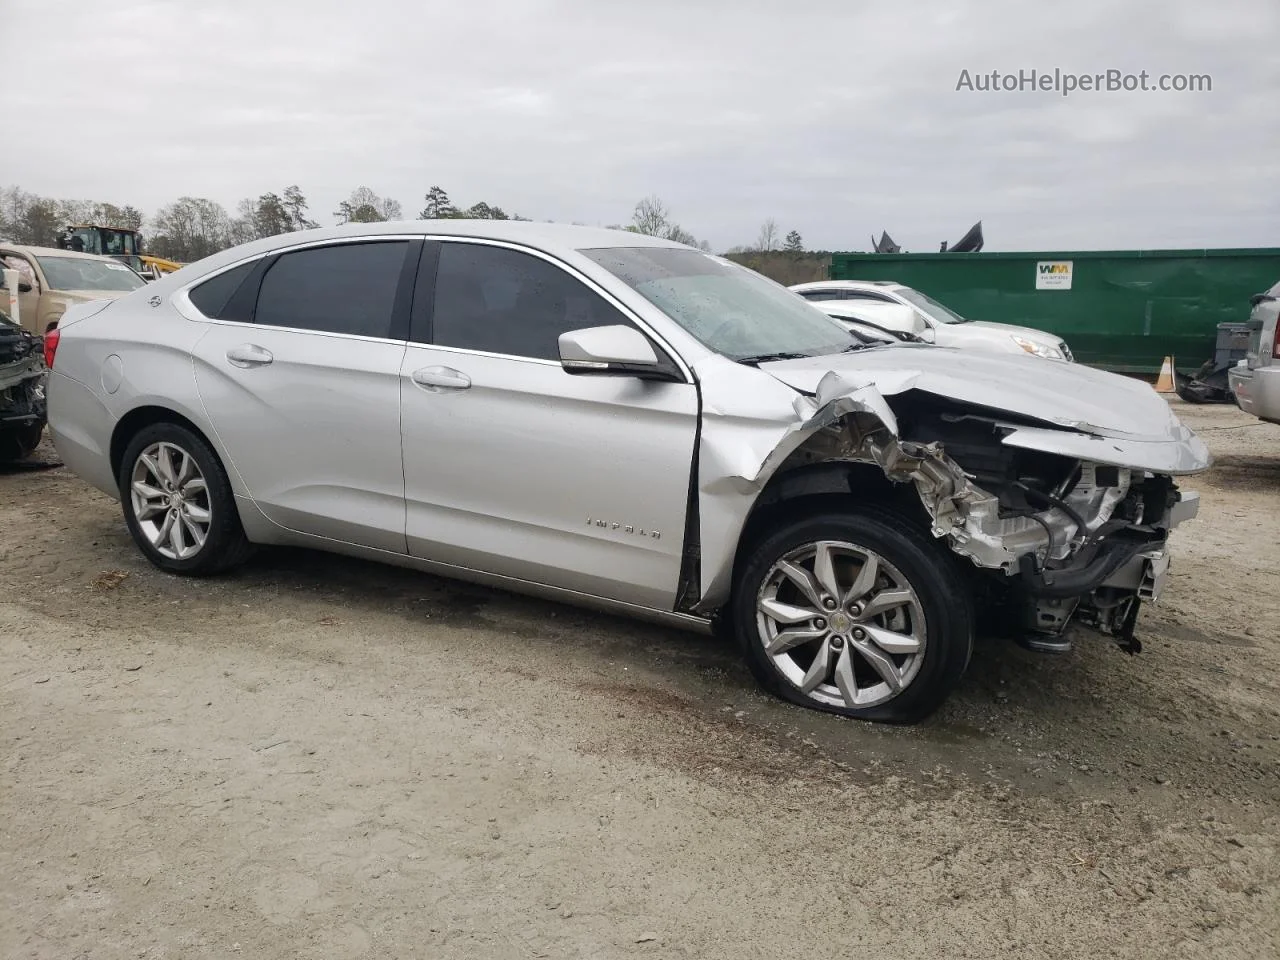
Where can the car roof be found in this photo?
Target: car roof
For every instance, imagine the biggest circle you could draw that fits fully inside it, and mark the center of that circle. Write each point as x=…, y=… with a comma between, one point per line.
x=557, y=239
x=50, y=252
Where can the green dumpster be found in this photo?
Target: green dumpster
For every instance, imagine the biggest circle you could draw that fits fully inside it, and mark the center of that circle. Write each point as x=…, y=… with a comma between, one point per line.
x=1123, y=310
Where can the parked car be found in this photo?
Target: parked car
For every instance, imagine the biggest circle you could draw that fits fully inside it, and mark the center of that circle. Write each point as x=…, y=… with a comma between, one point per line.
x=624, y=422
x=949, y=329
x=22, y=388
x=52, y=280
x=1255, y=380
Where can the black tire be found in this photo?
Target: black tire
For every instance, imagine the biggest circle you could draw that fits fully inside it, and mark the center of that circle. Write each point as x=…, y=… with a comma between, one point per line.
x=18, y=443
x=225, y=544
x=929, y=570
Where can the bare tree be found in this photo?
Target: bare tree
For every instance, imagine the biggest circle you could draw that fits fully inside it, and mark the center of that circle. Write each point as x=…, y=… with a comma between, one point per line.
x=365, y=206
x=28, y=218
x=768, y=238
x=651, y=218
x=191, y=228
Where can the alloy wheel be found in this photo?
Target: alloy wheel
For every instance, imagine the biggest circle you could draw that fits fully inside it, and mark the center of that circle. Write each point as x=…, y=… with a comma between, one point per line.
x=842, y=624
x=170, y=500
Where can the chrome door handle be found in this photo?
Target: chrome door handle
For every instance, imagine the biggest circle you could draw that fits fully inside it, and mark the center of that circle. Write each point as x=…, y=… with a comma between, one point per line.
x=441, y=377
x=249, y=355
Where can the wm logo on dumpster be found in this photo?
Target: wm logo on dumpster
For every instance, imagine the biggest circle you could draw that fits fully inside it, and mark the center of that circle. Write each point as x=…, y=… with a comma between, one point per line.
x=1053, y=275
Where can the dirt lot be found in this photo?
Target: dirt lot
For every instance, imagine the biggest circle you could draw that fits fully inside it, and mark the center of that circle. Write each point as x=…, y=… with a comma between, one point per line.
x=324, y=758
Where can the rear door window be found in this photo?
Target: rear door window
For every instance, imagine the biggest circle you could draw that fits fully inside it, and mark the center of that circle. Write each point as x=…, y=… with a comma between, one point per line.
x=346, y=288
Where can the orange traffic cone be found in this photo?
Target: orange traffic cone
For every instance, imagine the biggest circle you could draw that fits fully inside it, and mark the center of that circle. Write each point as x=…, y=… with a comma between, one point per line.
x=1165, y=383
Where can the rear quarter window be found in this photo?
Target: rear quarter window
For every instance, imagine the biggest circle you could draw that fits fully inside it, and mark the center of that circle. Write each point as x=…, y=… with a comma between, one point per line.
x=212, y=296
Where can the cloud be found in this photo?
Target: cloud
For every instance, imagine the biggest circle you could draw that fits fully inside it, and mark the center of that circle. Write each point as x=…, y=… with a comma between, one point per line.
x=837, y=119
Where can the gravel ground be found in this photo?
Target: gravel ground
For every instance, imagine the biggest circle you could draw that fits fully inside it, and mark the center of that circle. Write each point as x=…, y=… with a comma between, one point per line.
x=318, y=757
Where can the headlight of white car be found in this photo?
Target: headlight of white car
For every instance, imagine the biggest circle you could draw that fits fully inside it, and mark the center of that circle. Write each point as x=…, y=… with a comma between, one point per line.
x=1045, y=350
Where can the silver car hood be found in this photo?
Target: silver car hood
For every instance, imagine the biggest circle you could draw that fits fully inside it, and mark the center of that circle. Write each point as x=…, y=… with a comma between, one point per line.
x=1085, y=413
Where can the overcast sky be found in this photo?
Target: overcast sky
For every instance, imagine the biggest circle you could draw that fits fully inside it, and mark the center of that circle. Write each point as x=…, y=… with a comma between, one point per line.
x=838, y=119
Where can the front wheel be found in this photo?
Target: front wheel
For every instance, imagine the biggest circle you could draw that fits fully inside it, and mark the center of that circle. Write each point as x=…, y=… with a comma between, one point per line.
x=860, y=614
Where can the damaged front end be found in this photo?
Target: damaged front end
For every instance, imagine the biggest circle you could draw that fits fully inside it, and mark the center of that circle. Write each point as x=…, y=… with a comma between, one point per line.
x=1068, y=522
x=22, y=390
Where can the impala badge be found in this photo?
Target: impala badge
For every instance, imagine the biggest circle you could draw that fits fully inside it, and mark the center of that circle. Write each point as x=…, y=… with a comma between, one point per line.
x=623, y=528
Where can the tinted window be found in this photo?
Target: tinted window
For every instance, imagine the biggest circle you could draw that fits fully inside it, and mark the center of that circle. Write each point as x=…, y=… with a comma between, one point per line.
x=343, y=289
x=504, y=301
x=865, y=295
x=211, y=297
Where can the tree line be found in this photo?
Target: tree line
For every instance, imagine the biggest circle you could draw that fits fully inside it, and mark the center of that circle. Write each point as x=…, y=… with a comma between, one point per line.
x=190, y=228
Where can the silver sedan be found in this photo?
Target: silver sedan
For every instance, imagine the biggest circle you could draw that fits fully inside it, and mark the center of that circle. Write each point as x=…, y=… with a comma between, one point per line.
x=624, y=422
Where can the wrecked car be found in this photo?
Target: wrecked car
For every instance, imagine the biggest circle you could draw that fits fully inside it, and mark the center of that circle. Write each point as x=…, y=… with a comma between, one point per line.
x=623, y=422
x=22, y=385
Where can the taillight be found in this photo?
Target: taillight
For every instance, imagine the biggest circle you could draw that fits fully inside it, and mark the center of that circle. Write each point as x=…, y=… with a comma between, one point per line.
x=51, y=346
x=1275, y=342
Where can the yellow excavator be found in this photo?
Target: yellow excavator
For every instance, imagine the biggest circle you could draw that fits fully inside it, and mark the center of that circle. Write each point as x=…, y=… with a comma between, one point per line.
x=122, y=243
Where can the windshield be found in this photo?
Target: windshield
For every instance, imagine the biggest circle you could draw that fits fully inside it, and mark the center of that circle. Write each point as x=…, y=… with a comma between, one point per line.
x=929, y=305
x=74, y=273
x=732, y=310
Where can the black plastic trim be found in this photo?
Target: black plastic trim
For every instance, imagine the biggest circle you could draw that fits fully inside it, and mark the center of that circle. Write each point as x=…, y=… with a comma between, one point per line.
x=401, y=310
x=422, y=310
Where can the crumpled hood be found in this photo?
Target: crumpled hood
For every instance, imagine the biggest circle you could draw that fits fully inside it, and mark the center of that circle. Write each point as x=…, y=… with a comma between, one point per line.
x=1123, y=420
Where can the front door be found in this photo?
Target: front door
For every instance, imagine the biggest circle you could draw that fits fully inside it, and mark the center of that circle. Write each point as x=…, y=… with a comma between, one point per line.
x=513, y=466
x=305, y=398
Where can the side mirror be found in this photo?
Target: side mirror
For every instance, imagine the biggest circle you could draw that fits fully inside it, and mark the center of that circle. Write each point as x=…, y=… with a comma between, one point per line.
x=24, y=287
x=610, y=351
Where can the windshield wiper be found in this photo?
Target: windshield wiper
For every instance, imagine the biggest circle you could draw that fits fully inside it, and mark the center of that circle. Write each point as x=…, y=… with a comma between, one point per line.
x=768, y=357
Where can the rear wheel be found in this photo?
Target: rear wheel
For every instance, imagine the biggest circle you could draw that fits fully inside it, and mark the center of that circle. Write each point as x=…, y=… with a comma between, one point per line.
x=859, y=614
x=178, y=502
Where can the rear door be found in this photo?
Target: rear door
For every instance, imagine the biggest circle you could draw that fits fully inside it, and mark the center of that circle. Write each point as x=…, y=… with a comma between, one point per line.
x=299, y=373
x=515, y=467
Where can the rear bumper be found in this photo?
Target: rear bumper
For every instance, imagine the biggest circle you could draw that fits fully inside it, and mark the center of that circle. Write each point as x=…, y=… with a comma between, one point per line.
x=80, y=427
x=1257, y=390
